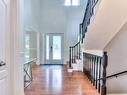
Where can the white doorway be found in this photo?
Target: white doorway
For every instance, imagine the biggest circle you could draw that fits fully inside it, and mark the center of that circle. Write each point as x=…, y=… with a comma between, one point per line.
x=54, y=48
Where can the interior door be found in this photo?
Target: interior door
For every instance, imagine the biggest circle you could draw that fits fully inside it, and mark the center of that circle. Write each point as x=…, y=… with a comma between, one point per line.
x=54, y=48
x=3, y=48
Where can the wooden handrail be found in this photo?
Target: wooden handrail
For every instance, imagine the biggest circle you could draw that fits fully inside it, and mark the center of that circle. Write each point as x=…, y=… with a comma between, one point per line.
x=117, y=74
x=89, y=11
x=114, y=75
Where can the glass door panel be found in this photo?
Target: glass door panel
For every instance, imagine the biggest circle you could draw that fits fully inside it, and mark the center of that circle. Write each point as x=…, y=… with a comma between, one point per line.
x=56, y=47
x=47, y=47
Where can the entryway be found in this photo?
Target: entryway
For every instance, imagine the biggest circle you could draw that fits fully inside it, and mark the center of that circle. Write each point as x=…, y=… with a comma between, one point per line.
x=54, y=48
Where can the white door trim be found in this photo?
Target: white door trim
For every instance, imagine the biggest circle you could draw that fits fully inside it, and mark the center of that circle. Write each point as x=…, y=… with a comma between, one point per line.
x=16, y=47
x=6, y=69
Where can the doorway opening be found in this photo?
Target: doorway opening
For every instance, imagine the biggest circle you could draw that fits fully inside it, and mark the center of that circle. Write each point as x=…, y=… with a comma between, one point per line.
x=54, y=48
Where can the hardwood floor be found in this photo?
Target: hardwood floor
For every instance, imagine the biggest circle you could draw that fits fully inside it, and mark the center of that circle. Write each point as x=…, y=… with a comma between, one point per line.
x=54, y=80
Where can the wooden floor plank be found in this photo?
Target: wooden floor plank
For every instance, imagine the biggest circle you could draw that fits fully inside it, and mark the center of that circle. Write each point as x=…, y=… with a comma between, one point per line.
x=54, y=80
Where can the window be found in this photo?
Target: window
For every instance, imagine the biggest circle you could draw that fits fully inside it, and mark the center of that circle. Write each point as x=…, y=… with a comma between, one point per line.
x=72, y=2
x=67, y=3
x=27, y=46
x=75, y=2
x=47, y=47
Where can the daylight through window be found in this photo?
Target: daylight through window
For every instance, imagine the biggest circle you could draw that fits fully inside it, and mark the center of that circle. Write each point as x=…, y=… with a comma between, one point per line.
x=72, y=2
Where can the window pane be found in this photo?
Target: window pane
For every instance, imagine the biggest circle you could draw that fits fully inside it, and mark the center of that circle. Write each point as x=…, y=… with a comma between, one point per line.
x=75, y=2
x=47, y=47
x=67, y=3
x=57, y=47
x=27, y=46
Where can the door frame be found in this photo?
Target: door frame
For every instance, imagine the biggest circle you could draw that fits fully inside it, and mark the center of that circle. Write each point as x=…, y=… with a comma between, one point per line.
x=7, y=48
x=62, y=50
x=16, y=47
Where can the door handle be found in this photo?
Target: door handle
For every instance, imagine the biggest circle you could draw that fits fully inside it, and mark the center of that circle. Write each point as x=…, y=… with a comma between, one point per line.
x=2, y=63
x=51, y=48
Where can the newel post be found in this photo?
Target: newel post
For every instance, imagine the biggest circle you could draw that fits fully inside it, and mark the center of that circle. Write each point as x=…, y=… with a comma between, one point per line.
x=70, y=60
x=105, y=63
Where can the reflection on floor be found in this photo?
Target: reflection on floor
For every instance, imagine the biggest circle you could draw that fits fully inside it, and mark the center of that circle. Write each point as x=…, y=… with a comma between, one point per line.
x=54, y=80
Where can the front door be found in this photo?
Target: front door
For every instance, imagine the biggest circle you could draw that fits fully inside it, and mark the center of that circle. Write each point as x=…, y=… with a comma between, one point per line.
x=3, y=48
x=54, y=48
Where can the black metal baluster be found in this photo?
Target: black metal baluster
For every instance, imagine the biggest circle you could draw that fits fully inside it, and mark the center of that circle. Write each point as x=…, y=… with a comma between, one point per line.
x=88, y=68
x=99, y=81
x=94, y=69
x=91, y=68
x=97, y=73
x=79, y=51
x=70, y=58
x=72, y=55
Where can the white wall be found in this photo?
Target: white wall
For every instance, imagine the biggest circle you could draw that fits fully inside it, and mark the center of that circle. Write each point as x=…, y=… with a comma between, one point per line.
x=32, y=15
x=32, y=24
x=33, y=43
x=117, y=61
x=51, y=16
x=110, y=17
x=56, y=18
x=53, y=20
x=28, y=20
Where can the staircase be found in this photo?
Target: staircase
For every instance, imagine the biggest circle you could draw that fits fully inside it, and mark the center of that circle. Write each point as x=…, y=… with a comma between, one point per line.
x=93, y=66
x=75, y=57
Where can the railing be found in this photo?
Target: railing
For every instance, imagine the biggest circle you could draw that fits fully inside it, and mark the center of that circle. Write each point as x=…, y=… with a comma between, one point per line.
x=95, y=68
x=114, y=75
x=82, y=30
x=87, y=16
x=74, y=54
x=28, y=78
x=117, y=74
